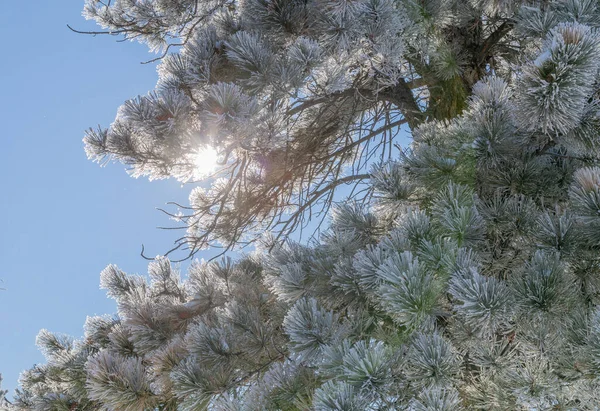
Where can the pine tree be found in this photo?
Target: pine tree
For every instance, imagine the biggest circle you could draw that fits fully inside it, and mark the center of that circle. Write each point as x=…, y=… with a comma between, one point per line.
x=3, y=401
x=468, y=279
x=299, y=97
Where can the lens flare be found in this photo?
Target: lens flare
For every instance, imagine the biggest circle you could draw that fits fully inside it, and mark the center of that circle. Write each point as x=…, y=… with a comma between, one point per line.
x=205, y=161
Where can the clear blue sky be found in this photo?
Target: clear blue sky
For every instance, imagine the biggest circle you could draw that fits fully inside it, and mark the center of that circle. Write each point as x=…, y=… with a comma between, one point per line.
x=63, y=218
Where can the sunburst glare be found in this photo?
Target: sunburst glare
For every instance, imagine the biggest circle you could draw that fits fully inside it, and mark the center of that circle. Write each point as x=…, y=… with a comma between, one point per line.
x=205, y=161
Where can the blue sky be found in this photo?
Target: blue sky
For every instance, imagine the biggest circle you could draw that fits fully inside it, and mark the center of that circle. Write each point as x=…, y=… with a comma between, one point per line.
x=64, y=218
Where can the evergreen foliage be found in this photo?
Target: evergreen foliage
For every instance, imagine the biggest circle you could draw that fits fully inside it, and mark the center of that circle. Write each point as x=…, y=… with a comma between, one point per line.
x=3, y=401
x=301, y=97
x=468, y=279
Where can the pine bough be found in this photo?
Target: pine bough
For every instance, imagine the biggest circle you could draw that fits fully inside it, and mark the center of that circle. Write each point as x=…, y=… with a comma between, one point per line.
x=470, y=280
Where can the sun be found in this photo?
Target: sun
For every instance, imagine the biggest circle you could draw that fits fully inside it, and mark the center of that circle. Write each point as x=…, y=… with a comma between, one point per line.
x=205, y=161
